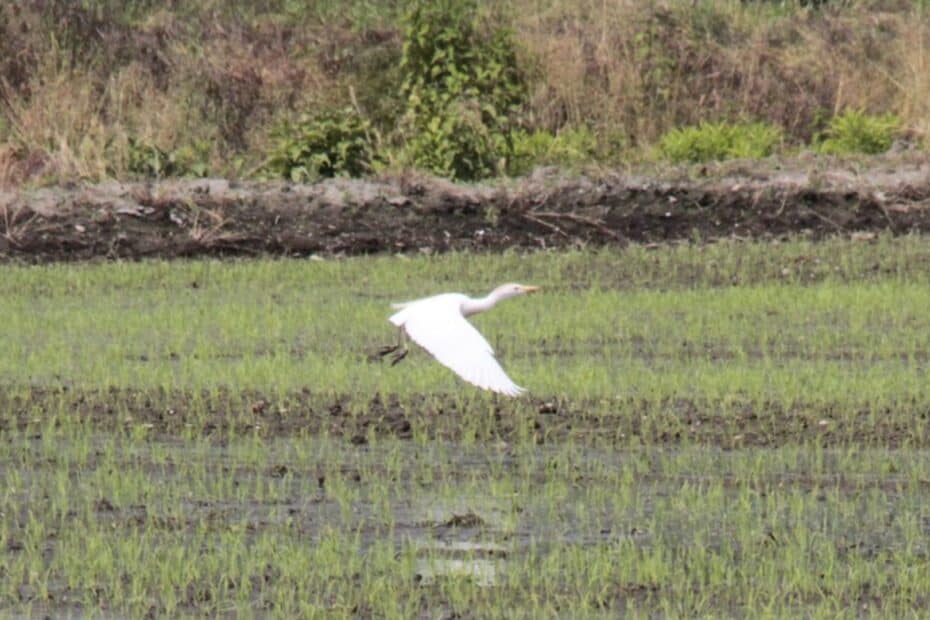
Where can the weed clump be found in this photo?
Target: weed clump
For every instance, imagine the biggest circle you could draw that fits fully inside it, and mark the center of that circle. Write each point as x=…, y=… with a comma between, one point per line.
x=335, y=142
x=149, y=160
x=856, y=132
x=463, y=90
x=570, y=147
x=719, y=141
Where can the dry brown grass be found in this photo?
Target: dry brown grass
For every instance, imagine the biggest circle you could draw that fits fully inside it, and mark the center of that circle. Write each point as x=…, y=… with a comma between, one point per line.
x=630, y=70
x=912, y=78
x=648, y=67
x=60, y=124
x=74, y=113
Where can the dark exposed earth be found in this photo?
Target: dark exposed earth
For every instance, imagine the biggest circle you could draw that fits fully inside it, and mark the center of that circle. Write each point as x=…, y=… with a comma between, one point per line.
x=413, y=213
x=619, y=422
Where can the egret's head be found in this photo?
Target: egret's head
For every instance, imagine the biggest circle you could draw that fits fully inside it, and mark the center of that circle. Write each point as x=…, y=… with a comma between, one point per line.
x=512, y=290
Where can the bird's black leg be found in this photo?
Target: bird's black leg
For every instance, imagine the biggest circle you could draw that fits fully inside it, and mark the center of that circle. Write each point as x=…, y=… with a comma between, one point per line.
x=402, y=345
x=399, y=349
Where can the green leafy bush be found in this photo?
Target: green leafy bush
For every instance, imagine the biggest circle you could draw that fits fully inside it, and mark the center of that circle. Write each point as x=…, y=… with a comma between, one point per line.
x=463, y=90
x=332, y=143
x=457, y=144
x=150, y=160
x=569, y=147
x=857, y=132
x=719, y=141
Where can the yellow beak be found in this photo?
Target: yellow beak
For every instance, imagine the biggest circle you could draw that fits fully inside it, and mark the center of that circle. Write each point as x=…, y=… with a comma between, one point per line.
x=530, y=289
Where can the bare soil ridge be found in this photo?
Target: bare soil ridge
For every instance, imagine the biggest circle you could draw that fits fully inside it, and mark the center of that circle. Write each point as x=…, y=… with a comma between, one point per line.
x=170, y=413
x=412, y=213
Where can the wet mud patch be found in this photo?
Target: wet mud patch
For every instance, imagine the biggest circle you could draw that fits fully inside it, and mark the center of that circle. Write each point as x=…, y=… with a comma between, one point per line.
x=414, y=213
x=621, y=421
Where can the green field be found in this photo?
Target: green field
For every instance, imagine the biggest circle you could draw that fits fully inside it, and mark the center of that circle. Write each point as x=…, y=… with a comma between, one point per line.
x=710, y=430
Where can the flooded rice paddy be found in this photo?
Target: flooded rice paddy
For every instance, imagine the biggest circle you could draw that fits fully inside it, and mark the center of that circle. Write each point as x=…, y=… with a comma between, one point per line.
x=705, y=435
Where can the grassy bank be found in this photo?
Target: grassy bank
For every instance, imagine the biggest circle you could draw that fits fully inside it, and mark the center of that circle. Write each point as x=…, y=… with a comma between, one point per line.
x=103, y=89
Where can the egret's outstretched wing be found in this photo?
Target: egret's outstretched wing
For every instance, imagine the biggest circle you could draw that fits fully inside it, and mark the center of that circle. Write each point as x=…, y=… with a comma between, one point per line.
x=441, y=329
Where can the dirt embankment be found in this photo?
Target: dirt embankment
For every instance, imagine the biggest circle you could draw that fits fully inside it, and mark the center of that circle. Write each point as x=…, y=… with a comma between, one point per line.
x=413, y=213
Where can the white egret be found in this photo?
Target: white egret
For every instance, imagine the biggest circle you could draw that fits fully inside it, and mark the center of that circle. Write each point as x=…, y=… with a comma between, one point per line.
x=438, y=325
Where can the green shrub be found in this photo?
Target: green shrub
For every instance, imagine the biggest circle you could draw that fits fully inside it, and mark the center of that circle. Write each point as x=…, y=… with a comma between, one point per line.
x=456, y=143
x=570, y=147
x=149, y=160
x=462, y=87
x=332, y=143
x=857, y=132
x=719, y=141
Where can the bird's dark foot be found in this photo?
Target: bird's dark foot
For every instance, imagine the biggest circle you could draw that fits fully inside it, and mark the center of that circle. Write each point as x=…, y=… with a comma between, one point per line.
x=378, y=355
x=401, y=355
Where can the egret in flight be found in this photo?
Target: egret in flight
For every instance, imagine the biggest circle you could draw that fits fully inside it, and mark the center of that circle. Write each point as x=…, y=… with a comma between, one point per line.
x=438, y=325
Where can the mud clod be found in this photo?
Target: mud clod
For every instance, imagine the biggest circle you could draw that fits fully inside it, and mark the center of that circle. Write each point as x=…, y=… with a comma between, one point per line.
x=467, y=519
